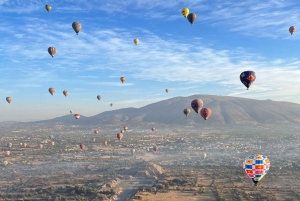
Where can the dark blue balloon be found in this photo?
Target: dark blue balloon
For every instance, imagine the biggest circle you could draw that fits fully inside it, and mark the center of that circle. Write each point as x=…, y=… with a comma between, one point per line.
x=247, y=78
x=191, y=17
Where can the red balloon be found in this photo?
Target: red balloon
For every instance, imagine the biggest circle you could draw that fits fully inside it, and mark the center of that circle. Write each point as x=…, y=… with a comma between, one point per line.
x=205, y=113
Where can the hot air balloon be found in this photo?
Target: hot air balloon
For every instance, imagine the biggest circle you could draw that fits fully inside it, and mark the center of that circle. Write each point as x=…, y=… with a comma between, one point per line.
x=125, y=128
x=25, y=145
x=96, y=131
x=205, y=113
x=52, y=51
x=120, y=136
x=292, y=29
x=77, y=116
x=197, y=105
x=191, y=18
x=155, y=148
x=247, y=78
x=122, y=131
x=8, y=99
x=98, y=97
x=186, y=111
x=256, y=167
x=21, y=143
x=41, y=146
x=111, y=105
x=65, y=92
x=167, y=90
x=185, y=12
x=71, y=112
x=51, y=90
x=82, y=147
x=132, y=151
x=48, y=8
x=122, y=79
x=52, y=143
x=105, y=143
x=51, y=137
x=9, y=144
x=94, y=140
x=136, y=41
x=76, y=26
x=153, y=129
x=7, y=153
x=5, y=163
x=204, y=155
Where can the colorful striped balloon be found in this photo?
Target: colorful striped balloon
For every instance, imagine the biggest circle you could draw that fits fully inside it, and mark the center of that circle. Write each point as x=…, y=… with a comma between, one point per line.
x=76, y=26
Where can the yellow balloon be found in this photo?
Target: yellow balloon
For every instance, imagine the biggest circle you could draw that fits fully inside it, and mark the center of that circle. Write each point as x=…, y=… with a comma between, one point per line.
x=136, y=41
x=185, y=12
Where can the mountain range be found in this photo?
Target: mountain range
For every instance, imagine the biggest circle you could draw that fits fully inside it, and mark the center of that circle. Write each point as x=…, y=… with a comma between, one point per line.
x=225, y=110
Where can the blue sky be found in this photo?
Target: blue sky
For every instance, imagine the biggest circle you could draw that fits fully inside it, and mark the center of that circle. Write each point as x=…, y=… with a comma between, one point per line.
x=228, y=37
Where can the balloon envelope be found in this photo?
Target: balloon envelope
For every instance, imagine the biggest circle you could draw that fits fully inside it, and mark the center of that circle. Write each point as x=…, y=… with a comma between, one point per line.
x=52, y=51
x=51, y=91
x=205, y=113
x=136, y=41
x=120, y=136
x=48, y=7
x=292, y=29
x=122, y=79
x=65, y=92
x=8, y=99
x=197, y=105
x=185, y=12
x=186, y=111
x=191, y=18
x=247, y=78
x=76, y=27
x=256, y=167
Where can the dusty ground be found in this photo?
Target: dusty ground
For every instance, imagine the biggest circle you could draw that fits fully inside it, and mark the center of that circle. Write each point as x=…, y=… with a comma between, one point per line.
x=170, y=196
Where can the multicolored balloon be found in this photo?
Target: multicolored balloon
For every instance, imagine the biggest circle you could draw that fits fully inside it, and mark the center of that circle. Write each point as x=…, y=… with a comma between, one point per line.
x=98, y=97
x=76, y=27
x=197, y=105
x=167, y=90
x=105, y=143
x=247, y=78
x=155, y=148
x=292, y=29
x=52, y=51
x=120, y=136
x=77, y=116
x=65, y=92
x=48, y=7
x=153, y=129
x=96, y=131
x=8, y=99
x=82, y=146
x=111, y=105
x=122, y=79
x=185, y=12
x=256, y=167
x=186, y=111
x=191, y=18
x=205, y=113
x=51, y=90
x=125, y=128
x=41, y=146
